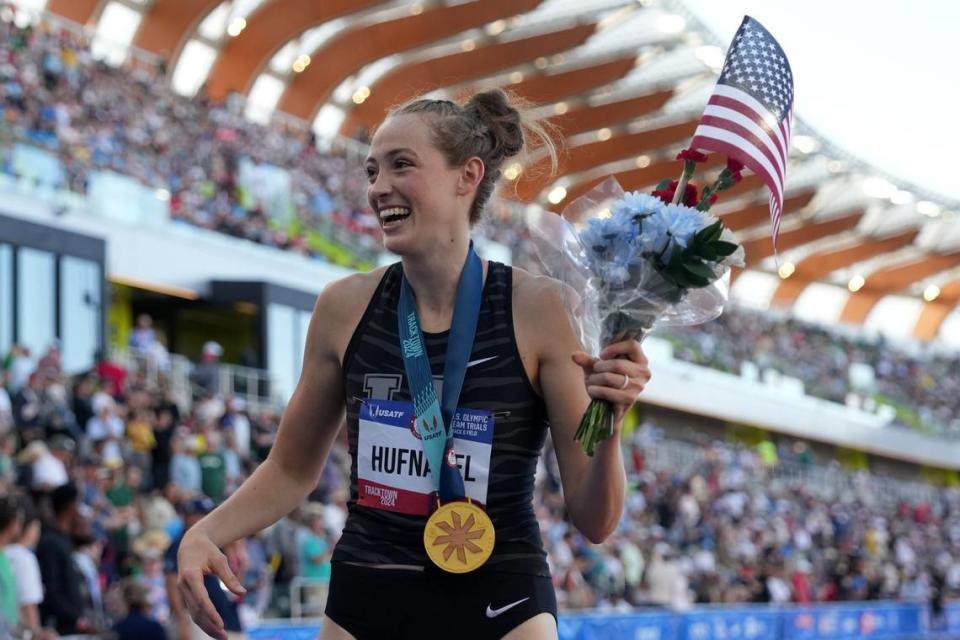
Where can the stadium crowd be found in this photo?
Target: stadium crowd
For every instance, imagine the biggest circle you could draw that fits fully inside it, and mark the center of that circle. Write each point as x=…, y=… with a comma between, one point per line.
x=921, y=383
x=101, y=472
x=54, y=94
x=95, y=117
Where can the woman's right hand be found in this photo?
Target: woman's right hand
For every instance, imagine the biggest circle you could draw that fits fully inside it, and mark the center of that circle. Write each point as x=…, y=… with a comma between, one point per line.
x=199, y=556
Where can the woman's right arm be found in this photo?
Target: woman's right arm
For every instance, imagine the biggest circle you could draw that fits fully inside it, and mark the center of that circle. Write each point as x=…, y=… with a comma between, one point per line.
x=308, y=428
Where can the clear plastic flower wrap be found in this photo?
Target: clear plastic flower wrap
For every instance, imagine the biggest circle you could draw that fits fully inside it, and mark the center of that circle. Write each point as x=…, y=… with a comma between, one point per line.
x=632, y=262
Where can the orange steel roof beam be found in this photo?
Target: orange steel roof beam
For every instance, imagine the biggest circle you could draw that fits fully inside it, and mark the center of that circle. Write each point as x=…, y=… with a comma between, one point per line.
x=80, y=11
x=818, y=265
x=349, y=51
x=553, y=87
x=168, y=24
x=271, y=26
x=934, y=313
x=754, y=214
x=535, y=179
x=644, y=179
x=409, y=80
x=891, y=280
x=762, y=247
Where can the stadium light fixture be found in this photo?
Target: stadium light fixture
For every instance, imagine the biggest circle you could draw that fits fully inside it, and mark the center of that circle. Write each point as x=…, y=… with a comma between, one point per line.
x=541, y=63
x=805, y=144
x=416, y=8
x=929, y=209
x=556, y=195
x=496, y=27
x=513, y=171
x=901, y=197
x=643, y=162
x=361, y=94
x=604, y=134
x=878, y=188
x=712, y=56
x=786, y=270
x=561, y=108
x=468, y=45
x=236, y=26
x=931, y=292
x=516, y=77
x=301, y=63
x=671, y=23
x=856, y=283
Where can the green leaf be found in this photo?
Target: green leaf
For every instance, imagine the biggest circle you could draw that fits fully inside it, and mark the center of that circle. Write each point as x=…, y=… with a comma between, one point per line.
x=715, y=230
x=708, y=252
x=724, y=248
x=663, y=184
x=699, y=269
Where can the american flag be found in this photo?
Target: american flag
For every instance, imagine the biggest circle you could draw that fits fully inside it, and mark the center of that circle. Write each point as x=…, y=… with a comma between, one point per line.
x=749, y=114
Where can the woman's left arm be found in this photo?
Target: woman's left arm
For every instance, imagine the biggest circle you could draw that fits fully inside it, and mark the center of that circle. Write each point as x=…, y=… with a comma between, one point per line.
x=593, y=487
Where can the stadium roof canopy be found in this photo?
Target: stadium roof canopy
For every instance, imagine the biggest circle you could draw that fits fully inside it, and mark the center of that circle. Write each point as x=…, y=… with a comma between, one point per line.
x=624, y=80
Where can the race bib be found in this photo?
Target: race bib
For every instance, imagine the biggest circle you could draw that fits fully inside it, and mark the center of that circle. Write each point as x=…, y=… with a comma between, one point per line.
x=392, y=470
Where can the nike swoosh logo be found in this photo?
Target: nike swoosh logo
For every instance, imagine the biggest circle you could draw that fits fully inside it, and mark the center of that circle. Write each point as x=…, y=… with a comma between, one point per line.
x=493, y=613
x=480, y=361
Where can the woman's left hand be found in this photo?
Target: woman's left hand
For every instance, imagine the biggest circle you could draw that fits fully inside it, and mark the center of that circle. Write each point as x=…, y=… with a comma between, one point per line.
x=618, y=376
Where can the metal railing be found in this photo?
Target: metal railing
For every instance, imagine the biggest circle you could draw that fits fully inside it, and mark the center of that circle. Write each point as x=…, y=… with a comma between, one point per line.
x=173, y=372
x=249, y=384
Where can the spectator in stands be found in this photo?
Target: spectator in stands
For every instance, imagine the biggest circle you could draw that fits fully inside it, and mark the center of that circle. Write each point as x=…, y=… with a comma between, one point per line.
x=112, y=375
x=185, y=471
x=193, y=511
x=213, y=468
x=6, y=407
x=235, y=421
x=139, y=623
x=106, y=430
x=20, y=367
x=40, y=469
x=11, y=521
x=206, y=375
x=62, y=605
x=23, y=561
x=315, y=547
x=143, y=337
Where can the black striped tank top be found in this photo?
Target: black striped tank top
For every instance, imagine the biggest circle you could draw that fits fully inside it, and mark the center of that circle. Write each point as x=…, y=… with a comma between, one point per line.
x=500, y=430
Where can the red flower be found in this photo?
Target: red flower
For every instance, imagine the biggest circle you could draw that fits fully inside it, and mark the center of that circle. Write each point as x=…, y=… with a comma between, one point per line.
x=689, y=194
x=713, y=199
x=734, y=165
x=736, y=177
x=665, y=194
x=693, y=156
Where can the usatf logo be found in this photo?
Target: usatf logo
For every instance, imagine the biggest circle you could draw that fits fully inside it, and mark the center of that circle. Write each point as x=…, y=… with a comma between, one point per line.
x=428, y=428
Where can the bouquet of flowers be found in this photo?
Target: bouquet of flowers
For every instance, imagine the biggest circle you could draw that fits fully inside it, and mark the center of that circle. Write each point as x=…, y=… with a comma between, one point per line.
x=632, y=261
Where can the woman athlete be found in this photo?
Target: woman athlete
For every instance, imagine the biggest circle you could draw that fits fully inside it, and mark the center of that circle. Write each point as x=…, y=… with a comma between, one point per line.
x=433, y=166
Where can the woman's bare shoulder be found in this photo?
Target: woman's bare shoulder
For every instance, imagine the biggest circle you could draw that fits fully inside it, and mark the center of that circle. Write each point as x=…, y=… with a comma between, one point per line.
x=341, y=304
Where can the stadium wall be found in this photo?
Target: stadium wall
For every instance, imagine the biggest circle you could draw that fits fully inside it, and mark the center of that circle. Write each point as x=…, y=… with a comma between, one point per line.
x=848, y=621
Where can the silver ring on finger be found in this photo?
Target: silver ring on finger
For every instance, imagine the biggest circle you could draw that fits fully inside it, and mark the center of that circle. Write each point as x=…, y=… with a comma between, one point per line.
x=626, y=382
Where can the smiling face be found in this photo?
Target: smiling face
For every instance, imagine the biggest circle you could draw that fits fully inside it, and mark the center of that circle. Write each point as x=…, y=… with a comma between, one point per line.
x=421, y=202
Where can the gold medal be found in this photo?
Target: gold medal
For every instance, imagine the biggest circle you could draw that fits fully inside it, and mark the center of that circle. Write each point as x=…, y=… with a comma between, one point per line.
x=459, y=537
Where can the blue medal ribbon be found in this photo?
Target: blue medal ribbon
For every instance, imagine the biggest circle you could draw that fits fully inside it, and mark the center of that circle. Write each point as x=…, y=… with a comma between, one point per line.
x=435, y=419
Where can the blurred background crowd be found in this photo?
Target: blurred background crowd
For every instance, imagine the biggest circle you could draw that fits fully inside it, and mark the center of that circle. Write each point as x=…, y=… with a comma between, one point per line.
x=101, y=473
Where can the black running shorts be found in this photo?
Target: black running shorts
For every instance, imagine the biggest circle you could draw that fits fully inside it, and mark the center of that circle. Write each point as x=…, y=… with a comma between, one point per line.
x=374, y=604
